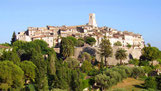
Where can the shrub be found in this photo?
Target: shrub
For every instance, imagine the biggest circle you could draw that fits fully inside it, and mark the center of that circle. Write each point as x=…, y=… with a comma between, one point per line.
x=127, y=70
x=121, y=71
x=118, y=43
x=128, y=45
x=144, y=63
x=137, y=71
x=150, y=82
x=114, y=74
x=147, y=69
x=134, y=61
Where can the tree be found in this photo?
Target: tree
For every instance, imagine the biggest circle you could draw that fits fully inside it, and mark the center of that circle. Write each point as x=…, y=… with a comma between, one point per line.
x=11, y=55
x=105, y=49
x=29, y=71
x=86, y=66
x=52, y=62
x=90, y=40
x=150, y=53
x=66, y=48
x=41, y=77
x=121, y=55
x=73, y=39
x=118, y=43
x=13, y=38
x=76, y=81
x=80, y=43
x=86, y=56
x=103, y=81
x=72, y=62
x=11, y=76
x=43, y=46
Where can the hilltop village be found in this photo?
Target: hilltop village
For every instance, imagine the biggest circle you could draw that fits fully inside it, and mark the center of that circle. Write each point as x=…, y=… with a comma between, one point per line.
x=79, y=58
x=52, y=34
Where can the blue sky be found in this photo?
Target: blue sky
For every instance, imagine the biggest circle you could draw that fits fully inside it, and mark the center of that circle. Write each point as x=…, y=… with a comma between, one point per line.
x=138, y=16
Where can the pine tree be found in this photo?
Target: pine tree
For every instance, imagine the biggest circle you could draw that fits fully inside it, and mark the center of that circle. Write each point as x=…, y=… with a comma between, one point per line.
x=13, y=38
x=105, y=49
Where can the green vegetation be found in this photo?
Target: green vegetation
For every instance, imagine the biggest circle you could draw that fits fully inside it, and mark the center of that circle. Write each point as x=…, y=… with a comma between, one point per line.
x=118, y=43
x=105, y=49
x=121, y=55
x=66, y=48
x=129, y=46
x=13, y=38
x=90, y=40
x=33, y=66
x=134, y=61
x=111, y=77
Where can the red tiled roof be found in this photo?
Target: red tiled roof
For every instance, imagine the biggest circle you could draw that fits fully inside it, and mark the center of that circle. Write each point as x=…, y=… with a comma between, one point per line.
x=6, y=47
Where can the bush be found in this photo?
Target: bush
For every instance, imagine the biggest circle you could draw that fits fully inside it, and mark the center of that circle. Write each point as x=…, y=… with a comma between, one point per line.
x=144, y=63
x=129, y=46
x=137, y=71
x=114, y=74
x=121, y=71
x=147, y=69
x=134, y=61
x=118, y=43
x=127, y=70
x=93, y=72
x=150, y=82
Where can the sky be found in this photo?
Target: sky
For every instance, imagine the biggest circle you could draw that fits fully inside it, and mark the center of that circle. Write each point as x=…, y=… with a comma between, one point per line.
x=138, y=16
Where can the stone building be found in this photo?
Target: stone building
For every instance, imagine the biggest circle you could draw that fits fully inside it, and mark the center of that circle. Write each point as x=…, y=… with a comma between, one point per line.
x=52, y=34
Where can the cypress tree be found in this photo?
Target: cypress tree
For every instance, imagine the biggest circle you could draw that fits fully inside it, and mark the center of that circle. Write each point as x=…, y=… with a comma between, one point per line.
x=13, y=38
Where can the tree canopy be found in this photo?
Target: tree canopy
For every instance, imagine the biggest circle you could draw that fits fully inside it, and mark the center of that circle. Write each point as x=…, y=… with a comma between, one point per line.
x=121, y=55
x=150, y=53
x=105, y=49
x=11, y=76
x=66, y=48
x=90, y=40
x=13, y=38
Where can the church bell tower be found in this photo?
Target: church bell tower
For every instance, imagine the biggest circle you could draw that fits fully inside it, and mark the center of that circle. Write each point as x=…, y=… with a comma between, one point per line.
x=92, y=20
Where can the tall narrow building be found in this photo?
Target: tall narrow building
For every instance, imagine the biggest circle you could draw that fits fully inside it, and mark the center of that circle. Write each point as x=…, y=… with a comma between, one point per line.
x=92, y=20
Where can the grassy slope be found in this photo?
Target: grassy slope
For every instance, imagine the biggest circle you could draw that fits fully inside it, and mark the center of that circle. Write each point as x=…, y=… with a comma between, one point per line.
x=129, y=84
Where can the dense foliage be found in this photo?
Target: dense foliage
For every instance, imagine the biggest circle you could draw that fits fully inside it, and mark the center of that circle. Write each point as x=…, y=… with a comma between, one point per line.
x=33, y=66
x=121, y=55
x=105, y=49
x=90, y=40
x=118, y=43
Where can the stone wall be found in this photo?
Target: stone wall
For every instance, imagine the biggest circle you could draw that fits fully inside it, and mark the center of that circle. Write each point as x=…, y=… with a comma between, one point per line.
x=94, y=51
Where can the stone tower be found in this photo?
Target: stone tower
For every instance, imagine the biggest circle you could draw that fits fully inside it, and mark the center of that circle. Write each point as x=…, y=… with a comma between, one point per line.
x=92, y=20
